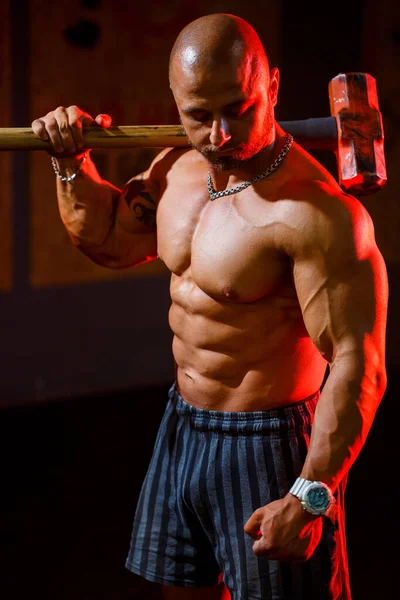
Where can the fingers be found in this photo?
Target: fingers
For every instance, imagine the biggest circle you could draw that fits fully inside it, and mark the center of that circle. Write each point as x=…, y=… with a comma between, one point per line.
x=275, y=554
x=260, y=548
x=273, y=549
x=103, y=120
x=39, y=128
x=272, y=552
x=63, y=128
x=252, y=527
x=76, y=121
x=60, y=131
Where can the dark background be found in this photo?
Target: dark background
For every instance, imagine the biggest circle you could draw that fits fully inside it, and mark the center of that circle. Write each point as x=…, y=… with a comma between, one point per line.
x=86, y=353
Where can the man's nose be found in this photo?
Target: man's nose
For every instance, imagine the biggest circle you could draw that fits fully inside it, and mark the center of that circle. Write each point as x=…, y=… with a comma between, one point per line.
x=220, y=133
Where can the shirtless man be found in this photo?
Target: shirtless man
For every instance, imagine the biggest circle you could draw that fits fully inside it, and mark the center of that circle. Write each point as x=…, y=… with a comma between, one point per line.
x=270, y=283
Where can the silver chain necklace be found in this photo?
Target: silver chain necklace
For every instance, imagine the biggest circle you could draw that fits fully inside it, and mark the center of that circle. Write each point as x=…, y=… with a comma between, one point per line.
x=263, y=175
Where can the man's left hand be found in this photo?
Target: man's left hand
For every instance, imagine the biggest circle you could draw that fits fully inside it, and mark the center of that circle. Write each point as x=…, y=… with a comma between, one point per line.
x=284, y=531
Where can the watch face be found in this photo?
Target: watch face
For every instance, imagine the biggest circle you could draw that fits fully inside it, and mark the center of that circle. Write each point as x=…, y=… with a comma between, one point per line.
x=318, y=498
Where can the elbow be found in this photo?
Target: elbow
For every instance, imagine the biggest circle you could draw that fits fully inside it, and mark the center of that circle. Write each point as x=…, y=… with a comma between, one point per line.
x=105, y=260
x=100, y=258
x=115, y=262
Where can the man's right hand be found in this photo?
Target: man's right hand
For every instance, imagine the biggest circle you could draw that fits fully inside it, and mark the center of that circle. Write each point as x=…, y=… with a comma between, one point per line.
x=63, y=129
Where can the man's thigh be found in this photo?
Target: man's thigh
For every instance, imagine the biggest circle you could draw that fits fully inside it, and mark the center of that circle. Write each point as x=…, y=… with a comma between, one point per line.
x=216, y=592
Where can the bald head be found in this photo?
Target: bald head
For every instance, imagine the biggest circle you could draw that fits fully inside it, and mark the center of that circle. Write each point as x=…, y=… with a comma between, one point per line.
x=218, y=42
x=223, y=89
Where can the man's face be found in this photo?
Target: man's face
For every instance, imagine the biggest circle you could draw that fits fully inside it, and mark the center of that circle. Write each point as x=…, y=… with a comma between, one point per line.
x=228, y=115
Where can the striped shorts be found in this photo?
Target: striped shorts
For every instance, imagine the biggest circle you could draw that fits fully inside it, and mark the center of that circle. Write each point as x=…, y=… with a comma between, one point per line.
x=209, y=472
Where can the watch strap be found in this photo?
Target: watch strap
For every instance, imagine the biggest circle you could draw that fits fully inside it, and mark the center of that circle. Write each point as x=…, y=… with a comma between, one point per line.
x=299, y=486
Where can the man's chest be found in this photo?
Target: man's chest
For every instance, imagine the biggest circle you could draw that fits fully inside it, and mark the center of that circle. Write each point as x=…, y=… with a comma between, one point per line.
x=228, y=244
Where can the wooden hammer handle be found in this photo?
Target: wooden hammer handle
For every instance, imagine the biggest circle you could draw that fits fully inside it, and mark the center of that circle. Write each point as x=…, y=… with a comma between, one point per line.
x=23, y=138
x=320, y=133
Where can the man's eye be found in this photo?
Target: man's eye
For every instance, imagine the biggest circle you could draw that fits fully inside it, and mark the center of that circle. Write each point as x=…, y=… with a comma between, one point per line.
x=200, y=116
x=237, y=111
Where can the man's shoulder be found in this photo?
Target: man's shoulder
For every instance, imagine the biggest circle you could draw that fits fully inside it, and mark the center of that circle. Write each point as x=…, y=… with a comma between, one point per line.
x=169, y=157
x=321, y=199
x=322, y=215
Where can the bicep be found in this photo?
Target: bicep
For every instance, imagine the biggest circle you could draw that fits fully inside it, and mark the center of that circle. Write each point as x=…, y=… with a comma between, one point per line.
x=133, y=237
x=137, y=205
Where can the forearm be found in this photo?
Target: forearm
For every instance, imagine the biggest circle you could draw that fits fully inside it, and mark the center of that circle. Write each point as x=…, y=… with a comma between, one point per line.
x=87, y=203
x=343, y=418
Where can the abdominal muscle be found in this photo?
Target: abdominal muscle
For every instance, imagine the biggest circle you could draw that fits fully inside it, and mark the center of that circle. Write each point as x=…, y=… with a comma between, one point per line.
x=233, y=356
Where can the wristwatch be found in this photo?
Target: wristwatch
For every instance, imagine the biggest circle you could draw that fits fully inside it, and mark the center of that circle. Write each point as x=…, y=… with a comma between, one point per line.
x=315, y=497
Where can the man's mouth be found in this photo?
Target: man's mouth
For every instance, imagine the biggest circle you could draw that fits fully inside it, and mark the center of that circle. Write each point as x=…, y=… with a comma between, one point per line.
x=224, y=152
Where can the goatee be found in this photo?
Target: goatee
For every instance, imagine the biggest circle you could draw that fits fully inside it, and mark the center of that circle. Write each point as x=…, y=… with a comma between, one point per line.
x=226, y=163
x=223, y=163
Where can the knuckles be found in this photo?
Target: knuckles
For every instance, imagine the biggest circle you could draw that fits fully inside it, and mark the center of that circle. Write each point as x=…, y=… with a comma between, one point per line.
x=51, y=125
x=72, y=116
x=62, y=122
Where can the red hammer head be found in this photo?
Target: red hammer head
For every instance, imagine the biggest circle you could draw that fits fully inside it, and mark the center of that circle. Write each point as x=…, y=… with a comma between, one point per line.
x=360, y=153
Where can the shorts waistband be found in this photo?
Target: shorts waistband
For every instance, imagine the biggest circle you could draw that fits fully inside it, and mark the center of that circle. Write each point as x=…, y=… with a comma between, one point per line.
x=292, y=417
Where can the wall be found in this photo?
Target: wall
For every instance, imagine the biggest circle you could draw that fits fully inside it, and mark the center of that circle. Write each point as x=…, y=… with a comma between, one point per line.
x=71, y=327
x=63, y=316
x=5, y=157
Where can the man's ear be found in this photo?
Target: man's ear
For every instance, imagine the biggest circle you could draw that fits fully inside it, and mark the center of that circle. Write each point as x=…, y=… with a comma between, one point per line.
x=274, y=79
